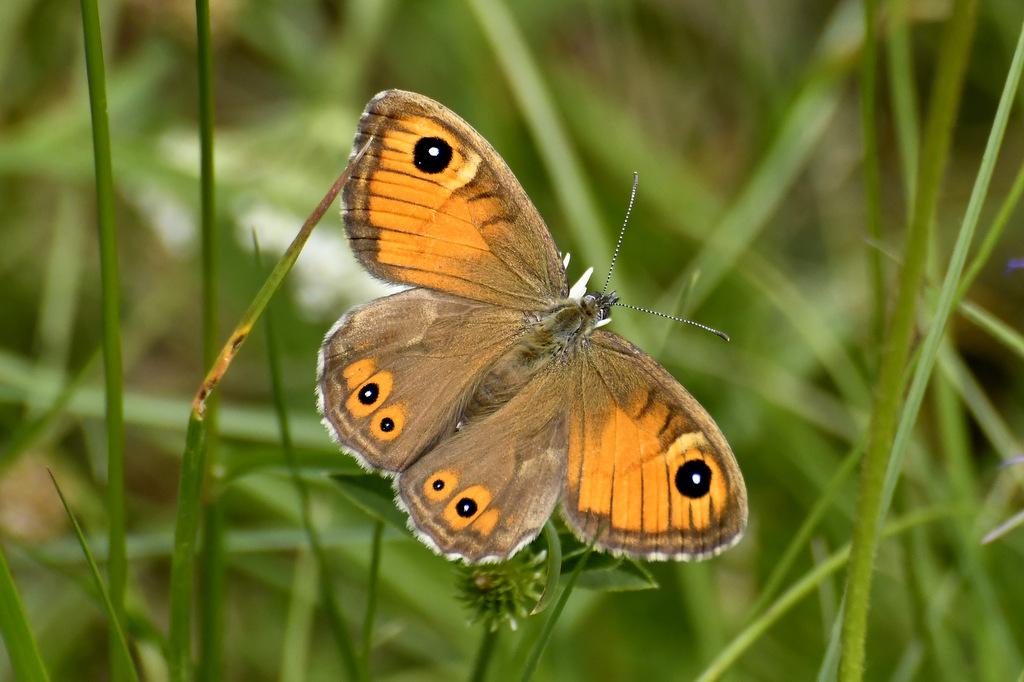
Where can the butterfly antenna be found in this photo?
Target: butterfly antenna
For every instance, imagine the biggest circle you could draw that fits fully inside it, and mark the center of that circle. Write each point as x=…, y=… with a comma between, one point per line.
x=622, y=232
x=677, y=319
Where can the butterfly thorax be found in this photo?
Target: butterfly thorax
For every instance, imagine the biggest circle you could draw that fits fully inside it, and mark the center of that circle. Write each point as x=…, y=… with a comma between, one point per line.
x=551, y=336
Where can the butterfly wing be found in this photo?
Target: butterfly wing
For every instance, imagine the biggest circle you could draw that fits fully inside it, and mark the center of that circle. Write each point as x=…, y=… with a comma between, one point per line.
x=432, y=204
x=484, y=493
x=647, y=466
x=393, y=374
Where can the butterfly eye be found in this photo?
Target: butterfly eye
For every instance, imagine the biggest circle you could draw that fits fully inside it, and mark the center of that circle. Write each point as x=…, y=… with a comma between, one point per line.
x=432, y=155
x=693, y=478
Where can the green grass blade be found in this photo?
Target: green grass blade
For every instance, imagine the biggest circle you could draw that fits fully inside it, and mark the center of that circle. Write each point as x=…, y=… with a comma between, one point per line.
x=872, y=172
x=485, y=654
x=117, y=566
x=120, y=643
x=904, y=98
x=950, y=286
x=193, y=460
x=829, y=669
x=185, y=529
x=554, y=567
x=297, y=637
x=332, y=607
x=999, y=330
x=371, y=598
x=942, y=114
x=212, y=575
x=556, y=612
x=19, y=641
x=564, y=167
x=213, y=589
x=803, y=588
x=988, y=244
x=803, y=534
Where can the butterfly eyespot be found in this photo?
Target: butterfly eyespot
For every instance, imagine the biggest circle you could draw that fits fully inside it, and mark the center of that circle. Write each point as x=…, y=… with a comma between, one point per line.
x=370, y=394
x=432, y=155
x=693, y=478
x=466, y=507
x=387, y=425
x=441, y=485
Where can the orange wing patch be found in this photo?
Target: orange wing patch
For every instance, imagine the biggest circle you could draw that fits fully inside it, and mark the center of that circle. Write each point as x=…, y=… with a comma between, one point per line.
x=699, y=493
x=357, y=372
x=428, y=205
x=370, y=394
x=468, y=506
x=429, y=227
x=623, y=472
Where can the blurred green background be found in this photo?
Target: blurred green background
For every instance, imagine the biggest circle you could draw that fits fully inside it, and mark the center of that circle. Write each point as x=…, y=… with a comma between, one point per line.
x=743, y=121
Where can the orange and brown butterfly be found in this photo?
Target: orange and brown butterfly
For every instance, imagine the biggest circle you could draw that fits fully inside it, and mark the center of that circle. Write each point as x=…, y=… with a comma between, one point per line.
x=489, y=390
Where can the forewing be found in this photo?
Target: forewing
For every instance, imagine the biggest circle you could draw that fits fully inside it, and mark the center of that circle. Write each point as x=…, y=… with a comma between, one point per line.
x=432, y=204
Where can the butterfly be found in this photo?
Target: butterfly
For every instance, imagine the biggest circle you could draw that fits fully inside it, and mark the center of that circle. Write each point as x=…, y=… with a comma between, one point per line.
x=489, y=390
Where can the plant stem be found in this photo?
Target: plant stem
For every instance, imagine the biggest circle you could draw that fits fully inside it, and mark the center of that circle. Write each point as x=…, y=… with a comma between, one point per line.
x=117, y=567
x=486, y=652
x=938, y=134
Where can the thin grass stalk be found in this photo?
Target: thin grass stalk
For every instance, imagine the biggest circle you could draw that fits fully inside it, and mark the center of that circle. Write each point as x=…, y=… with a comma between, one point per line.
x=485, y=654
x=988, y=244
x=802, y=536
x=538, y=108
x=22, y=649
x=553, y=570
x=950, y=287
x=120, y=650
x=212, y=589
x=955, y=50
x=193, y=459
x=804, y=587
x=371, y=597
x=904, y=102
x=332, y=607
x=117, y=563
x=212, y=574
x=872, y=174
x=829, y=668
x=179, y=653
x=556, y=611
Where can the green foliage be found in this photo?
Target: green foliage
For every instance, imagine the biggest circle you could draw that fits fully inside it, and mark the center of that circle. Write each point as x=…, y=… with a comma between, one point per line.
x=764, y=210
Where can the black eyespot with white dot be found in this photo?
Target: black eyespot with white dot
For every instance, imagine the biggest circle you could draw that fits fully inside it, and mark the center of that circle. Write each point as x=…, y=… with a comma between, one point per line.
x=387, y=424
x=438, y=484
x=466, y=507
x=693, y=479
x=432, y=155
x=369, y=393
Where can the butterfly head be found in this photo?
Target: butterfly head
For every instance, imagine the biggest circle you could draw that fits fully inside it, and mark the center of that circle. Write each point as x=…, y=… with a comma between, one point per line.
x=597, y=307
